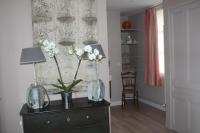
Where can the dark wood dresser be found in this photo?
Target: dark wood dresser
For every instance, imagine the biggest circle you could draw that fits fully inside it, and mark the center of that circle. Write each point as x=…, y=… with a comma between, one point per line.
x=81, y=117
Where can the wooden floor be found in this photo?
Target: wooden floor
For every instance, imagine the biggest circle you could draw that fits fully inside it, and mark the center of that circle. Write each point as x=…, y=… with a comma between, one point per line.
x=144, y=119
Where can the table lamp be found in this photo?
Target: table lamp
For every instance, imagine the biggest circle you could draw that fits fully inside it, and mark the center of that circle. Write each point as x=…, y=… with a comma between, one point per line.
x=96, y=88
x=36, y=93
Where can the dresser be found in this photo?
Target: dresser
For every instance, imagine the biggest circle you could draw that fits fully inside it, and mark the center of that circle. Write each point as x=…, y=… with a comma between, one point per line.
x=81, y=117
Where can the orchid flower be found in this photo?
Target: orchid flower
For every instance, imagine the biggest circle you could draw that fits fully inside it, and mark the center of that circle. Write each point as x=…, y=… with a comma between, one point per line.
x=50, y=48
x=79, y=52
x=95, y=55
x=88, y=49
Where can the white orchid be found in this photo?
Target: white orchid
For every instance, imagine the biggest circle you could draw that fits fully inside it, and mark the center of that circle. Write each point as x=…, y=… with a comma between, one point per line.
x=91, y=56
x=50, y=48
x=71, y=51
x=94, y=55
x=45, y=42
x=79, y=52
x=88, y=49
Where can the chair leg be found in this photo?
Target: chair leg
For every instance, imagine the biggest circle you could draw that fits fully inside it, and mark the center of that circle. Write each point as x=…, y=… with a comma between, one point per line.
x=134, y=97
x=122, y=100
x=137, y=99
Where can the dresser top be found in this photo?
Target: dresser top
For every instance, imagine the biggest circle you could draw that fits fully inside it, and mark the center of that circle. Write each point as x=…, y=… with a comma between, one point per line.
x=57, y=106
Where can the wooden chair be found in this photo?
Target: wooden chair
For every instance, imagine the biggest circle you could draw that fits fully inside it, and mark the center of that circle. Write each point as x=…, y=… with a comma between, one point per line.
x=129, y=87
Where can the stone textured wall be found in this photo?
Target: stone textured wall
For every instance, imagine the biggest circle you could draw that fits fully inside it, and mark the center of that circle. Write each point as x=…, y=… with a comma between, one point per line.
x=65, y=22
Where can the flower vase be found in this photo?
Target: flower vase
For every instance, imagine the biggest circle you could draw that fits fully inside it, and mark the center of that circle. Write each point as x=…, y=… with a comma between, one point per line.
x=67, y=99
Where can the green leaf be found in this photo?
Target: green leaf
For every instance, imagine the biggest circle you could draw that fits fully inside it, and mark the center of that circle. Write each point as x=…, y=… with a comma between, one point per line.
x=57, y=86
x=69, y=87
x=61, y=82
x=74, y=83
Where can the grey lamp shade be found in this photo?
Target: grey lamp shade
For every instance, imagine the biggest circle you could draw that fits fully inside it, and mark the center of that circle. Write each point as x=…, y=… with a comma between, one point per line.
x=32, y=55
x=95, y=46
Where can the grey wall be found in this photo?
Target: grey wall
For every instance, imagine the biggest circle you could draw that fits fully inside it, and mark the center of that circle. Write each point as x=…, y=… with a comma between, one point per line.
x=114, y=47
x=1, y=107
x=153, y=94
x=15, y=34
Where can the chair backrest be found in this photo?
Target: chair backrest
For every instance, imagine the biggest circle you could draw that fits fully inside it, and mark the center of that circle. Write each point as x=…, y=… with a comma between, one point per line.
x=128, y=80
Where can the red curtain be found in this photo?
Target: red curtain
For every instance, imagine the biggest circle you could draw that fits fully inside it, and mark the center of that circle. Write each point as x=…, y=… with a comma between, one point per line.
x=152, y=75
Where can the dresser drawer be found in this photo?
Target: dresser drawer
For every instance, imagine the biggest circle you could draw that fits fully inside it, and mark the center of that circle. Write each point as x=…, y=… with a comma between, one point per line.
x=85, y=117
x=40, y=123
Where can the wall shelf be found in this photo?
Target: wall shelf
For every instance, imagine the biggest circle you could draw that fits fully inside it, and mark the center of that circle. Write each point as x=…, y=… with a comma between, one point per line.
x=130, y=43
x=128, y=37
x=129, y=30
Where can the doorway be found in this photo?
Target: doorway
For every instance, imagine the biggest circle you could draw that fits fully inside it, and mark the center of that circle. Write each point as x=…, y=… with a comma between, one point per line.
x=131, y=57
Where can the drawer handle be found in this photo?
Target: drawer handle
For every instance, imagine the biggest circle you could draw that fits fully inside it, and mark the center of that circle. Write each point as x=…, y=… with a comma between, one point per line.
x=48, y=122
x=87, y=117
x=68, y=119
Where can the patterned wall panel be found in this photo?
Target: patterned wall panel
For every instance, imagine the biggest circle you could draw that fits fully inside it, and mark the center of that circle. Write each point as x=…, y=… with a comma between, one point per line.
x=65, y=22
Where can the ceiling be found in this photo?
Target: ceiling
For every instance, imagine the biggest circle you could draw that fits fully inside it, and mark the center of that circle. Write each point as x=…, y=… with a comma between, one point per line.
x=130, y=6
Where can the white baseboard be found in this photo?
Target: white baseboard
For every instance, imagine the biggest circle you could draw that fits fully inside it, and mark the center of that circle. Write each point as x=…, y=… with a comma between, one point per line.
x=150, y=103
x=155, y=105
x=116, y=103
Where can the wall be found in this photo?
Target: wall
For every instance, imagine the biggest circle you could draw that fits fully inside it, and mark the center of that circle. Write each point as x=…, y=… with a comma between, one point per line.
x=1, y=111
x=15, y=34
x=114, y=47
x=152, y=94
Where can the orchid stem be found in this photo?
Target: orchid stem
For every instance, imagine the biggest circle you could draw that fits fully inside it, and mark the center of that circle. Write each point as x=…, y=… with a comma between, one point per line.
x=58, y=68
x=77, y=68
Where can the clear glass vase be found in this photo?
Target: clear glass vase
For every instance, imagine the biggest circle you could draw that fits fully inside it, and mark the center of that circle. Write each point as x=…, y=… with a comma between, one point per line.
x=96, y=88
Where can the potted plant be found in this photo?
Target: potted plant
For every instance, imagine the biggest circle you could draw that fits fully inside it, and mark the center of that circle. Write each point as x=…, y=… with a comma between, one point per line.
x=66, y=89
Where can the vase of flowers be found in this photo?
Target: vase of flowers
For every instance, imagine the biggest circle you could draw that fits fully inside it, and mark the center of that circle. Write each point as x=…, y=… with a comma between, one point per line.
x=66, y=90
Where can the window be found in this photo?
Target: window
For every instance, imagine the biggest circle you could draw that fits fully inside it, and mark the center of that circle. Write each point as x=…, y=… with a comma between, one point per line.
x=160, y=23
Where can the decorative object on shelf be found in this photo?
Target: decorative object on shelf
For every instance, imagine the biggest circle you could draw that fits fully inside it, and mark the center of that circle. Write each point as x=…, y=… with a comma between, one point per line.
x=65, y=18
x=36, y=93
x=66, y=42
x=66, y=92
x=90, y=39
x=66, y=35
x=126, y=24
x=135, y=41
x=41, y=18
x=91, y=20
x=96, y=88
x=129, y=40
x=90, y=17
